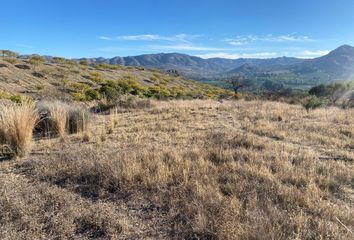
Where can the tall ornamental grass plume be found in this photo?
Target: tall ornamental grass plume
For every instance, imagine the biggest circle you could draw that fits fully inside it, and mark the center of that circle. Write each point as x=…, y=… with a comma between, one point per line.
x=53, y=118
x=17, y=122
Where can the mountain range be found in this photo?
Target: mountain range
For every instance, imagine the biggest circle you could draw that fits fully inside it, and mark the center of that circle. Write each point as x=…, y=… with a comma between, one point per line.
x=289, y=71
x=337, y=65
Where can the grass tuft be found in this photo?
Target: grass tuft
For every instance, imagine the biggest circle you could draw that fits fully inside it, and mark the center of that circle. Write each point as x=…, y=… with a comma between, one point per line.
x=16, y=126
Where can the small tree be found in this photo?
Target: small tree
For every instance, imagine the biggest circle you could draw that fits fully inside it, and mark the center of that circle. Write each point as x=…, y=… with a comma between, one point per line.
x=236, y=82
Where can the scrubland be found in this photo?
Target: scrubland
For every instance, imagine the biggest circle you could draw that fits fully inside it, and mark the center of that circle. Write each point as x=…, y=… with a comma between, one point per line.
x=187, y=170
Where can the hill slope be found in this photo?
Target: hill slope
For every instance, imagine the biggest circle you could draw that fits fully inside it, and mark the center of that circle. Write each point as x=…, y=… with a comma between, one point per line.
x=68, y=80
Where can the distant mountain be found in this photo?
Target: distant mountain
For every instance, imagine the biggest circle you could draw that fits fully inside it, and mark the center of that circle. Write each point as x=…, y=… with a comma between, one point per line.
x=192, y=66
x=337, y=65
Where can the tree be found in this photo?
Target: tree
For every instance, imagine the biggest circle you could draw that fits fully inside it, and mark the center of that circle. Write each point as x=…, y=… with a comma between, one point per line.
x=236, y=82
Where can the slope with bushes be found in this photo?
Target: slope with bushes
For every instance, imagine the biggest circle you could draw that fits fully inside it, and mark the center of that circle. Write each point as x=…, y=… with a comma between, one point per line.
x=68, y=80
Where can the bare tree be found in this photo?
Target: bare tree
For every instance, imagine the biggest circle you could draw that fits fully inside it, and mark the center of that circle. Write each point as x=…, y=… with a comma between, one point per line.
x=236, y=82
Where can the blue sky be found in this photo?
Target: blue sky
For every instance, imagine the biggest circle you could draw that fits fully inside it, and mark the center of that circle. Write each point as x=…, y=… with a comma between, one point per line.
x=205, y=28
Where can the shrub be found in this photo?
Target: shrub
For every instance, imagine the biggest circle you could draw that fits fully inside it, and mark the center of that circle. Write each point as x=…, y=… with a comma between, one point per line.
x=11, y=60
x=18, y=99
x=14, y=98
x=36, y=60
x=52, y=118
x=58, y=60
x=16, y=126
x=314, y=102
x=92, y=94
x=79, y=96
x=109, y=92
x=84, y=62
x=159, y=92
x=58, y=118
x=78, y=119
x=96, y=77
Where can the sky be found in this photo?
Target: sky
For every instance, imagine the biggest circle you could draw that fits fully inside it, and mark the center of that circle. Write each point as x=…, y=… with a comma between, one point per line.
x=204, y=28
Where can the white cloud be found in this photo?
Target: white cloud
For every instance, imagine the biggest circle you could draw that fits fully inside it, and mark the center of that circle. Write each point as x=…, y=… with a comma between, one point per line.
x=315, y=53
x=312, y=54
x=243, y=40
x=186, y=47
x=239, y=55
x=106, y=38
x=184, y=38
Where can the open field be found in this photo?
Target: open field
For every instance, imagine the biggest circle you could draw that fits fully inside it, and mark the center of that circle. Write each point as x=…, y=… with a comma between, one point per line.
x=188, y=170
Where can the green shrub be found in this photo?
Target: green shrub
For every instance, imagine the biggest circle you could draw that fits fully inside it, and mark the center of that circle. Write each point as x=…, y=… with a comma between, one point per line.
x=96, y=77
x=58, y=60
x=18, y=98
x=109, y=92
x=79, y=96
x=314, y=102
x=92, y=94
x=158, y=92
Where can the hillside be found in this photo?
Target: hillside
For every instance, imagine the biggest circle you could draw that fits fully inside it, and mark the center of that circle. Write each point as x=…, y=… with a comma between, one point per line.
x=188, y=170
x=67, y=80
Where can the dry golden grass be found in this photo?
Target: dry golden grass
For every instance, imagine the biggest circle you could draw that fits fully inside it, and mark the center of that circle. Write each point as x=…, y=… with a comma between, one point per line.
x=58, y=118
x=16, y=126
x=54, y=117
x=189, y=170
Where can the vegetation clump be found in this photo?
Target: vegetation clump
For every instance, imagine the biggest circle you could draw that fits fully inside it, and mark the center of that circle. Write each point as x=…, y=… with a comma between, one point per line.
x=58, y=118
x=17, y=122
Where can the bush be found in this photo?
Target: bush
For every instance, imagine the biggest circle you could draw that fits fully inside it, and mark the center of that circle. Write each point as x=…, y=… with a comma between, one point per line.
x=58, y=60
x=52, y=118
x=314, y=102
x=96, y=77
x=78, y=120
x=11, y=60
x=84, y=62
x=36, y=60
x=92, y=94
x=58, y=118
x=109, y=92
x=16, y=126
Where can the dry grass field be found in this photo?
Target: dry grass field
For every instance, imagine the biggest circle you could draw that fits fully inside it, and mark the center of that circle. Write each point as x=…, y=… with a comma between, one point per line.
x=188, y=170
